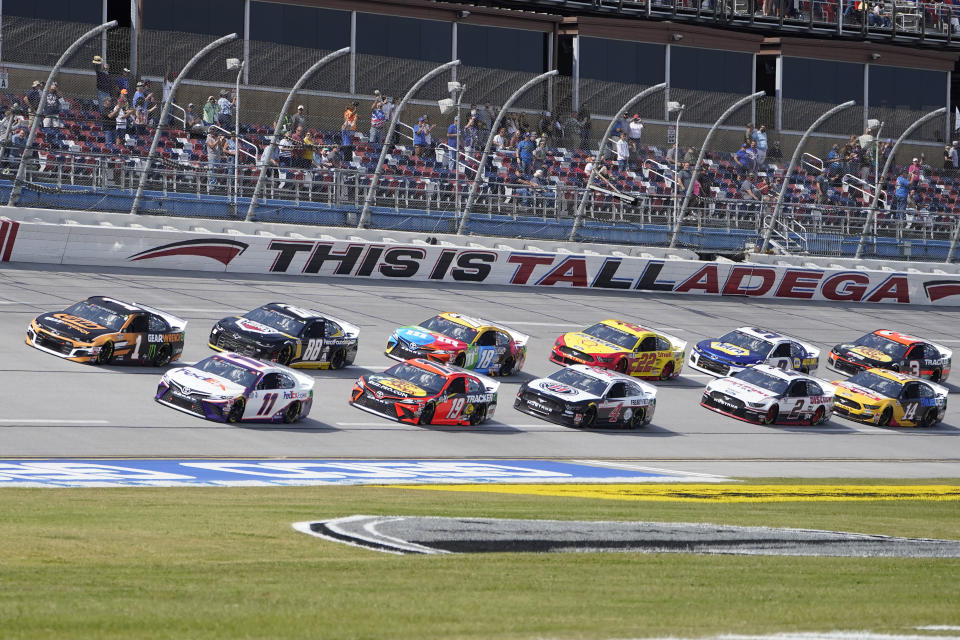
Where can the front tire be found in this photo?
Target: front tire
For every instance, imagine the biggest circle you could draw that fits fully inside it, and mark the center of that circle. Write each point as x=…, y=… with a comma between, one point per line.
x=885, y=417
x=426, y=416
x=479, y=415
x=285, y=355
x=293, y=412
x=929, y=419
x=460, y=359
x=818, y=416
x=236, y=411
x=771, y=416
x=621, y=365
x=105, y=354
x=637, y=419
x=589, y=417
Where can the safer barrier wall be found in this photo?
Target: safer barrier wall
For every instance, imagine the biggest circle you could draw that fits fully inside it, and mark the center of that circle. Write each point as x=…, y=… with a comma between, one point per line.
x=138, y=247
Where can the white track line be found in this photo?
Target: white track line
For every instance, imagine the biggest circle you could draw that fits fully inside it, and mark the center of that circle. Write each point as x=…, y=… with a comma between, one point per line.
x=49, y=421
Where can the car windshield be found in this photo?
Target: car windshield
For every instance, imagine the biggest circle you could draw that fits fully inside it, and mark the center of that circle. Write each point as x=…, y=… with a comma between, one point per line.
x=276, y=320
x=229, y=370
x=746, y=341
x=580, y=381
x=893, y=349
x=450, y=328
x=611, y=334
x=101, y=315
x=763, y=380
x=883, y=386
x=430, y=382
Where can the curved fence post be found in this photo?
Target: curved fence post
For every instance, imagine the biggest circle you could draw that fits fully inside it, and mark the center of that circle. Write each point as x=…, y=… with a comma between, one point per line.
x=793, y=163
x=582, y=205
x=268, y=153
x=882, y=178
x=388, y=138
x=465, y=214
x=27, y=148
x=703, y=152
x=166, y=110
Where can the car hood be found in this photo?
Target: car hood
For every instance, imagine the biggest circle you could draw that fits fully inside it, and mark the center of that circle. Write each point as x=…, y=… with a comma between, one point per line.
x=866, y=355
x=730, y=352
x=589, y=344
x=559, y=390
x=395, y=387
x=190, y=379
x=741, y=390
x=72, y=327
x=253, y=330
x=850, y=389
x=429, y=339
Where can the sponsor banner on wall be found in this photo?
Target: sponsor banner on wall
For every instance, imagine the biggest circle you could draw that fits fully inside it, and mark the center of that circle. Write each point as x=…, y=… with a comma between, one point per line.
x=155, y=249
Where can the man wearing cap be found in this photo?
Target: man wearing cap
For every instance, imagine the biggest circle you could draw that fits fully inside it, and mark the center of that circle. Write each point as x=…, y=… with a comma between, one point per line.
x=421, y=133
x=954, y=156
x=225, y=109
x=298, y=119
x=138, y=93
x=51, y=109
x=531, y=185
x=33, y=98
x=452, y=146
x=349, y=124
x=192, y=122
x=104, y=82
x=210, y=111
x=123, y=82
x=634, y=133
x=525, y=153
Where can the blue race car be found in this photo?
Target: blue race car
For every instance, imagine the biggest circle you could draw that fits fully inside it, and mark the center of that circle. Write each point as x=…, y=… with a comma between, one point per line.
x=748, y=346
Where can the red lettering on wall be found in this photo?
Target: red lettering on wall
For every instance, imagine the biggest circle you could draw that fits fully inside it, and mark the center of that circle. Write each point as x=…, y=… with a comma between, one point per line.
x=527, y=264
x=734, y=286
x=845, y=286
x=798, y=284
x=896, y=288
x=706, y=280
x=572, y=270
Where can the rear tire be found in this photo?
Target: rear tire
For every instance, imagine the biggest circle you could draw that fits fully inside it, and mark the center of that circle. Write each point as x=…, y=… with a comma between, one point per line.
x=507, y=368
x=285, y=355
x=818, y=416
x=637, y=420
x=236, y=411
x=292, y=413
x=460, y=359
x=667, y=372
x=338, y=359
x=929, y=419
x=935, y=376
x=163, y=355
x=479, y=415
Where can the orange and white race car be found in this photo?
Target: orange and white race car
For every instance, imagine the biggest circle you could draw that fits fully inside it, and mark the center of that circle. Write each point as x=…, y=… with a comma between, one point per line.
x=623, y=347
x=894, y=351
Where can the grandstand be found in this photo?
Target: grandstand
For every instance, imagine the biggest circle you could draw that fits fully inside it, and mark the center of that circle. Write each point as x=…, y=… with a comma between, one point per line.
x=805, y=58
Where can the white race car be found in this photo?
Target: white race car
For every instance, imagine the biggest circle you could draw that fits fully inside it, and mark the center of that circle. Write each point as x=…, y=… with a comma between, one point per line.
x=748, y=346
x=582, y=396
x=230, y=387
x=770, y=395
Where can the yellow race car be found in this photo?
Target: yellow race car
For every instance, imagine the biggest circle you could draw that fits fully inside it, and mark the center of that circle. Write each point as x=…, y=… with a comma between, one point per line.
x=888, y=398
x=623, y=347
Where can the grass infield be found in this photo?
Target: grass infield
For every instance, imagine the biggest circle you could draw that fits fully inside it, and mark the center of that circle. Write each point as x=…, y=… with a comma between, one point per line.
x=225, y=563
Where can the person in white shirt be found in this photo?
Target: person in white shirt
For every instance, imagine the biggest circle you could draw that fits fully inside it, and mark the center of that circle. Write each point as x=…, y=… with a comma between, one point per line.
x=634, y=132
x=622, y=147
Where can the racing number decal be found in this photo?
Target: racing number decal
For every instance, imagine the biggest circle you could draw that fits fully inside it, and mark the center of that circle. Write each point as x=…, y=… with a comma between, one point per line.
x=646, y=363
x=312, y=350
x=456, y=406
x=914, y=366
x=486, y=358
x=268, y=401
x=910, y=411
x=614, y=412
x=797, y=409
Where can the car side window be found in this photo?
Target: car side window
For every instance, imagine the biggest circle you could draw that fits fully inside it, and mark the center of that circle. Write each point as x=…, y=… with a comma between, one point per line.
x=634, y=390
x=138, y=324
x=931, y=352
x=286, y=381
x=782, y=350
x=474, y=387
x=925, y=391
x=315, y=329
x=796, y=350
x=158, y=324
x=270, y=381
x=487, y=339
x=915, y=352
x=503, y=340
x=663, y=344
x=648, y=344
x=814, y=389
x=333, y=330
x=458, y=385
x=911, y=390
x=798, y=389
x=618, y=390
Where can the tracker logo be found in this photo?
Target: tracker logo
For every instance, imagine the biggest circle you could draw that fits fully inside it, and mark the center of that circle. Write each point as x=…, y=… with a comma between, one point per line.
x=221, y=250
x=939, y=289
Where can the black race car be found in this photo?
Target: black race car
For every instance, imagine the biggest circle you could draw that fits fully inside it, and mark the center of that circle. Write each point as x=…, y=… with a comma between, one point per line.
x=894, y=351
x=102, y=330
x=288, y=335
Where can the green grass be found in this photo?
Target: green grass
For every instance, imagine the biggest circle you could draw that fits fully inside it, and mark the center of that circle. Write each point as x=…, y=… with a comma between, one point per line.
x=218, y=563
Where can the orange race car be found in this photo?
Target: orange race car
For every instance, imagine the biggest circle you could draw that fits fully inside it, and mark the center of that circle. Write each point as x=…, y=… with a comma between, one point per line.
x=894, y=351
x=102, y=330
x=623, y=347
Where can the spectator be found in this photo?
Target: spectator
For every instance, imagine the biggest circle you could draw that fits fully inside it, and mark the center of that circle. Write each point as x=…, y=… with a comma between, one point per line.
x=487, y=115
x=525, y=153
x=572, y=127
x=452, y=146
x=298, y=119
x=954, y=157
x=635, y=132
x=776, y=154
x=285, y=150
x=104, y=82
x=690, y=156
x=210, y=113
x=307, y=150
x=388, y=108
x=835, y=161
x=822, y=188
x=545, y=124
x=192, y=122
x=683, y=178
x=748, y=136
x=51, y=109
x=225, y=109
x=215, y=145
x=532, y=185
x=121, y=115
x=420, y=137
x=744, y=160
x=915, y=170
x=586, y=124
x=123, y=82
x=747, y=189
x=471, y=134
x=500, y=140
x=540, y=153
x=33, y=98
x=878, y=17
x=902, y=192
x=378, y=121
x=349, y=125
x=622, y=147
x=108, y=122
x=141, y=116
x=589, y=166
x=166, y=90
x=622, y=125
x=760, y=138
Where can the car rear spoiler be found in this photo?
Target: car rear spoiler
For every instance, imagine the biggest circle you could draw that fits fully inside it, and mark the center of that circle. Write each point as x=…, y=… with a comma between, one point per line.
x=174, y=321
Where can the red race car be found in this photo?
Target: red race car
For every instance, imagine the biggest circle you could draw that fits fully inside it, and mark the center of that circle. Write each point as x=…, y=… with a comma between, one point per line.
x=419, y=391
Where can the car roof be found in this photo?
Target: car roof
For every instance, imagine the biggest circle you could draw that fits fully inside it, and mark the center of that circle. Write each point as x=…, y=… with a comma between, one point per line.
x=246, y=362
x=117, y=306
x=783, y=374
x=896, y=376
x=765, y=334
x=629, y=327
x=896, y=336
x=606, y=375
x=297, y=312
x=434, y=367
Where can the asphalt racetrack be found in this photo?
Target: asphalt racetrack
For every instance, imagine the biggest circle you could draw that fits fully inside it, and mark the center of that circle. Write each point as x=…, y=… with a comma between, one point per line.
x=57, y=408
